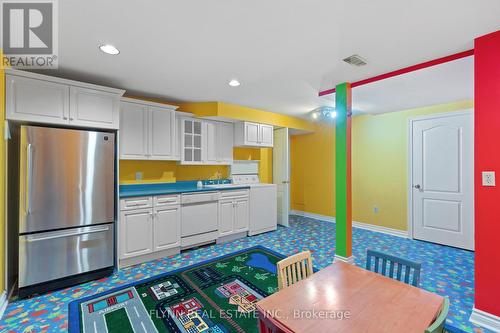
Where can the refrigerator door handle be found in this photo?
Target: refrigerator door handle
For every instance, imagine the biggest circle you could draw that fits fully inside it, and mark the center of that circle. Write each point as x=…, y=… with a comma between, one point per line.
x=29, y=176
x=66, y=233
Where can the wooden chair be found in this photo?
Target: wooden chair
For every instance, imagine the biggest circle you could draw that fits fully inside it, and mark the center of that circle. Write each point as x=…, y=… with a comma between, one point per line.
x=294, y=268
x=438, y=324
x=378, y=261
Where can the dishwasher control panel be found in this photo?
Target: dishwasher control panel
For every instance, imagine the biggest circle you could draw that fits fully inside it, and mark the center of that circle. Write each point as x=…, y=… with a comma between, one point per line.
x=199, y=197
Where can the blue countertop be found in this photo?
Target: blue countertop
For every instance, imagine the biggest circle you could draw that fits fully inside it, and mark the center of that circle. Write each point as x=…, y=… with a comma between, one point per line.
x=141, y=190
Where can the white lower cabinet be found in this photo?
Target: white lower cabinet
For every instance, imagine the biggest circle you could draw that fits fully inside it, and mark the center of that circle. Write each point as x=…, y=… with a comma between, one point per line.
x=136, y=232
x=226, y=217
x=148, y=233
x=167, y=233
x=241, y=213
x=234, y=212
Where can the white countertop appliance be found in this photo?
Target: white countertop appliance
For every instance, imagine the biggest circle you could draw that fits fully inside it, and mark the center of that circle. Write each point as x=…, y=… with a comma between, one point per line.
x=263, y=197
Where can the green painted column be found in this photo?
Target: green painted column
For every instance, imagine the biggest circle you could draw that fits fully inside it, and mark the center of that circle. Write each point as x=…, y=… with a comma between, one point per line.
x=343, y=206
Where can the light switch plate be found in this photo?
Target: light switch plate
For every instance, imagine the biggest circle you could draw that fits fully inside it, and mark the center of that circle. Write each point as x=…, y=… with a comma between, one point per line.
x=138, y=175
x=488, y=178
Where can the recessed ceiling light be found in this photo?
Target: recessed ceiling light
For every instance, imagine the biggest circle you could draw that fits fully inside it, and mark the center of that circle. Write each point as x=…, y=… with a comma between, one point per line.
x=315, y=115
x=109, y=49
x=234, y=83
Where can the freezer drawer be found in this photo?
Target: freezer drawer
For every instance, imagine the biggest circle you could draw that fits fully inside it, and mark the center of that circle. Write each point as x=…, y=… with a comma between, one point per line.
x=57, y=254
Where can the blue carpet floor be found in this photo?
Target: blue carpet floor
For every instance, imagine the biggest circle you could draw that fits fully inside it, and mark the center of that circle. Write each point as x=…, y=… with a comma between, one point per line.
x=445, y=271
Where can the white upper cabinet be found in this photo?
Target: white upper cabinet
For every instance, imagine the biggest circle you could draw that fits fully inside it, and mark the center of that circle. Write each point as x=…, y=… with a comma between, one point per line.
x=36, y=100
x=266, y=135
x=148, y=131
x=133, y=131
x=225, y=143
x=94, y=108
x=253, y=135
x=218, y=143
x=45, y=99
x=162, y=135
x=193, y=148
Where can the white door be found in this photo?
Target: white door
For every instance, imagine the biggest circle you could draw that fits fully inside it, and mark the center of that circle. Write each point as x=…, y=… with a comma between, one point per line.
x=281, y=173
x=136, y=232
x=226, y=217
x=36, y=100
x=161, y=136
x=442, y=179
x=94, y=108
x=133, y=131
x=241, y=212
x=167, y=228
x=266, y=135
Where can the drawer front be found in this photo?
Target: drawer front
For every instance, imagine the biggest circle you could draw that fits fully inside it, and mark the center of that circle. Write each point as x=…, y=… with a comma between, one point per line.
x=167, y=200
x=233, y=194
x=52, y=255
x=136, y=203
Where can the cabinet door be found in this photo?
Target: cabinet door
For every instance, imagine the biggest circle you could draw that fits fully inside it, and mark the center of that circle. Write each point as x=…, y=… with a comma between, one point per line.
x=94, y=108
x=133, y=131
x=225, y=143
x=241, y=215
x=192, y=142
x=266, y=135
x=226, y=217
x=136, y=233
x=162, y=134
x=252, y=136
x=167, y=228
x=211, y=155
x=37, y=100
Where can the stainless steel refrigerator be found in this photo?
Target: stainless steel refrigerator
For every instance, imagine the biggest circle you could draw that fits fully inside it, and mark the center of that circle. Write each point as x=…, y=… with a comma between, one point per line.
x=66, y=206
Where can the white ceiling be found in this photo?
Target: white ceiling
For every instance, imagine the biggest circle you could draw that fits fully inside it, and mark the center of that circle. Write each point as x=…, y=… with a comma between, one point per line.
x=283, y=51
x=448, y=82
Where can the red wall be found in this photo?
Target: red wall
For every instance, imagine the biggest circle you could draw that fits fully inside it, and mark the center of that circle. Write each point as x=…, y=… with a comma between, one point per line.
x=487, y=158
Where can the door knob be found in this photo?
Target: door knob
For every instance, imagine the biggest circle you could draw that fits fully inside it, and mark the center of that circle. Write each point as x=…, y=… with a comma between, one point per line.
x=418, y=187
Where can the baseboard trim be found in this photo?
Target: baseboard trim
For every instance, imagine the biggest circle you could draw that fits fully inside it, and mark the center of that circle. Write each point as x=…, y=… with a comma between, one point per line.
x=313, y=216
x=4, y=301
x=378, y=228
x=485, y=319
x=349, y=260
x=355, y=224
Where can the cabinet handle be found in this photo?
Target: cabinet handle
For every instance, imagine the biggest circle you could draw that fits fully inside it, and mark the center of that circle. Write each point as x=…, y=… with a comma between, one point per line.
x=71, y=119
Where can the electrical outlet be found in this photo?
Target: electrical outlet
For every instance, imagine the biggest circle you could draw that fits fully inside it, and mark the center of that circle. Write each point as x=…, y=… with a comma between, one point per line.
x=138, y=175
x=488, y=178
x=375, y=209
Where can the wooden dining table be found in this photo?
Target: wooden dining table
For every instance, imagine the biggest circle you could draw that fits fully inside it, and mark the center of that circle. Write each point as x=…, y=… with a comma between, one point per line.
x=346, y=298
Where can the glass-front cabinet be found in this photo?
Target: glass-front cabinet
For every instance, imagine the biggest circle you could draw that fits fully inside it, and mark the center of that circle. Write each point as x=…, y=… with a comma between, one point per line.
x=192, y=141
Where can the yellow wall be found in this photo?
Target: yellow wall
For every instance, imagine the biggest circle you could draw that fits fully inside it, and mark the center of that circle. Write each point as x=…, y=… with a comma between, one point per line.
x=238, y=112
x=167, y=171
x=170, y=171
x=312, y=171
x=2, y=178
x=379, y=167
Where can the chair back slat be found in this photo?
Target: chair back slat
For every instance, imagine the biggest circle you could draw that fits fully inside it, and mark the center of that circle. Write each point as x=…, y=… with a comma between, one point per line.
x=406, y=270
x=294, y=268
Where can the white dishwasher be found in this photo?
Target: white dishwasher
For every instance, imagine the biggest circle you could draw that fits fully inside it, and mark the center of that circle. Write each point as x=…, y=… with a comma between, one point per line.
x=199, y=218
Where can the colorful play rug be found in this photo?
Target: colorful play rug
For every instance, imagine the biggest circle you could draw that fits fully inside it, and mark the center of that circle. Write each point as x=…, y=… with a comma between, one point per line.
x=217, y=295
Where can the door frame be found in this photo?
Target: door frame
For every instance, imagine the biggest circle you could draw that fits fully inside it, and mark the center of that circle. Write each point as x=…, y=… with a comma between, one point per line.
x=409, y=185
x=288, y=166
